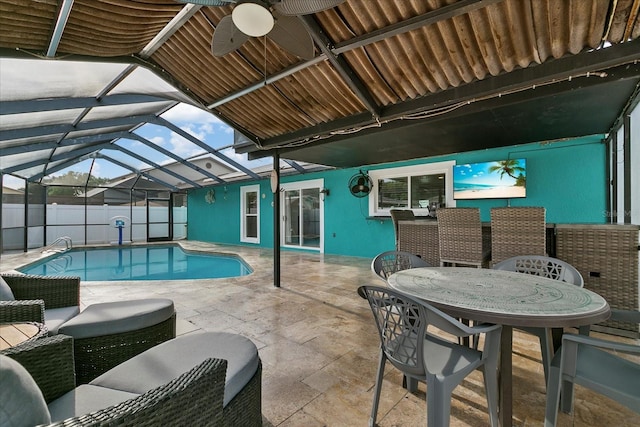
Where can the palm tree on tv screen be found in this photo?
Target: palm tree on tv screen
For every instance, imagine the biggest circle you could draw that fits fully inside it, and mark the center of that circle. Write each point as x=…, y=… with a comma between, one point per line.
x=510, y=167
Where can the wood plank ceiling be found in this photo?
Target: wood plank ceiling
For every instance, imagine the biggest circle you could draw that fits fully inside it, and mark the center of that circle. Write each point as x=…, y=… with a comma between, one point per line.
x=424, y=77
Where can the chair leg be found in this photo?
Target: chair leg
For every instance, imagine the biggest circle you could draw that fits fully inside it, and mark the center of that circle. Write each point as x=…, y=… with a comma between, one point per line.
x=410, y=383
x=553, y=397
x=547, y=351
x=438, y=403
x=566, y=395
x=378, y=387
x=490, y=373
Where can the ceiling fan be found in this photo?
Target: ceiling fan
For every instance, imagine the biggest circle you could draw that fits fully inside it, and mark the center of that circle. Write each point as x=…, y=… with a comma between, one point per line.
x=277, y=19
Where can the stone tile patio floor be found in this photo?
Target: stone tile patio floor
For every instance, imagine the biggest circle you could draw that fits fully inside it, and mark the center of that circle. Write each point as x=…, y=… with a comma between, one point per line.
x=319, y=346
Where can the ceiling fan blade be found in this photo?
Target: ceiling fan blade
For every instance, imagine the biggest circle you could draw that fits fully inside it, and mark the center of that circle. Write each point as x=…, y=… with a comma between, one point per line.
x=208, y=2
x=290, y=34
x=227, y=37
x=304, y=7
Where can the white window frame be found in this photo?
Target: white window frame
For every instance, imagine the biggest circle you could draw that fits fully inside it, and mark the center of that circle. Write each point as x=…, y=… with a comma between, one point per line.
x=243, y=215
x=445, y=168
x=303, y=185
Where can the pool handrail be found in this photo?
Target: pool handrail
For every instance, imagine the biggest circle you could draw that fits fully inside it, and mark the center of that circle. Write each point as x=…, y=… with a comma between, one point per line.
x=68, y=244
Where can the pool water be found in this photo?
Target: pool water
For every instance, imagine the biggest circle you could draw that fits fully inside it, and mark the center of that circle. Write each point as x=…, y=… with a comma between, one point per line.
x=152, y=262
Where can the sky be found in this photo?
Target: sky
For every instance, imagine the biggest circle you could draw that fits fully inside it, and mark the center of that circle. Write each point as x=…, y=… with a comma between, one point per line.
x=199, y=123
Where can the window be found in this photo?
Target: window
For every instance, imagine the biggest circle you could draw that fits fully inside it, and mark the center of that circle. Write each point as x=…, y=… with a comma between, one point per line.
x=250, y=214
x=418, y=188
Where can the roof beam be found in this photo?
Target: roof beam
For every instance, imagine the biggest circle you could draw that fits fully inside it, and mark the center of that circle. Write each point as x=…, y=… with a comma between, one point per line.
x=54, y=169
x=591, y=62
x=186, y=135
x=340, y=64
x=44, y=145
x=137, y=172
x=460, y=7
x=168, y=153
x=178, y=21
x=57, y=157
x=294, y=165
x=157, y=166
x=61, y=23
x=53, y=104
x=7, y=135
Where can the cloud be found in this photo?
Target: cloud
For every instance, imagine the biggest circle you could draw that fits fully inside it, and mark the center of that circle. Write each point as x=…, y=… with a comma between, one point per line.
x=158, y=140
x=185, y=113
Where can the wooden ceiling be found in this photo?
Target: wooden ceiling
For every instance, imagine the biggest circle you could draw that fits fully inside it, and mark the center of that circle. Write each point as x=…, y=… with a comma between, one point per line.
x=391, y=79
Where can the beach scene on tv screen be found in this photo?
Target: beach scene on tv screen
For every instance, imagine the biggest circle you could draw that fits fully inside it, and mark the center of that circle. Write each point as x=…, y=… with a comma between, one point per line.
x=503, y=179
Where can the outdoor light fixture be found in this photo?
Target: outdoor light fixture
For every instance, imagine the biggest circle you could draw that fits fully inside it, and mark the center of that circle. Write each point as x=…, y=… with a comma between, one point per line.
x=252, y=19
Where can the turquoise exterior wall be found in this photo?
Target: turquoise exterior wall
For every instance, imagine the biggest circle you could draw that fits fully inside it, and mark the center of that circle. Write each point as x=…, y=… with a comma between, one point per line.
x=568, y=178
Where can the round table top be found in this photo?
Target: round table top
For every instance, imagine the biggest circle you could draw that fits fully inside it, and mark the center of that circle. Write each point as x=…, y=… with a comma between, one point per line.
x=13, y=334
x=503, y=297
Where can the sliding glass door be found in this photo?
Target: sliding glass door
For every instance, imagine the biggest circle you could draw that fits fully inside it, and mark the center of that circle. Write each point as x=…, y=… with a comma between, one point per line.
x=303, y=215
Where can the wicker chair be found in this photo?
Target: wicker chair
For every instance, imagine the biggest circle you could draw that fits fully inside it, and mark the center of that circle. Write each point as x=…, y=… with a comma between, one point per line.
x=55, y=302
x=34, y=293
x=517, y=231
x=460, y=237
x=387, y=263
x=192, y=398
x=400, y=215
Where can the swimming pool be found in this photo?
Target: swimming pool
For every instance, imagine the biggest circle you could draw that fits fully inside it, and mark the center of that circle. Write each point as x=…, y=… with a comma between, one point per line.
x=151, y=262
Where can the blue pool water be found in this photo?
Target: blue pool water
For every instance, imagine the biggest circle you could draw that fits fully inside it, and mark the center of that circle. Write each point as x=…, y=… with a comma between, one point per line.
x=153, y=262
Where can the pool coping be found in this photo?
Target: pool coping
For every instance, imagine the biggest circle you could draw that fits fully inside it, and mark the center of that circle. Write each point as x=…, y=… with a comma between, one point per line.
x=10, y=263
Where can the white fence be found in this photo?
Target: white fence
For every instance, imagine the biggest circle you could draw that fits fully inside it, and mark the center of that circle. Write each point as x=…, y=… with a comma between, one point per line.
x=69, y=220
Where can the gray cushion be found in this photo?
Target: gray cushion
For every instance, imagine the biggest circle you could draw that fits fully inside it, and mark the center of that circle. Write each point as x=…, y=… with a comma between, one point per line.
x=21, y=401
x=85, y=399
x=6, y=294
x=55, y=317
x=166, y=361
x=118, y=317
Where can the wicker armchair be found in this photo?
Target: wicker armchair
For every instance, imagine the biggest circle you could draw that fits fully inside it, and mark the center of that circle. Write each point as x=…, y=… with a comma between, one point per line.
x=55, y=302
x=193, y=398
x=34, y=293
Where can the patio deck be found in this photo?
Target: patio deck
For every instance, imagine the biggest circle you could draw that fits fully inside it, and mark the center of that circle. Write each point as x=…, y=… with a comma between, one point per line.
x=319, y=347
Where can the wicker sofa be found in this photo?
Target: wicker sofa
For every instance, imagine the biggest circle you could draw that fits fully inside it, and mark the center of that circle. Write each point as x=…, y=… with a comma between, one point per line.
x=105, y=334
x=217, y=383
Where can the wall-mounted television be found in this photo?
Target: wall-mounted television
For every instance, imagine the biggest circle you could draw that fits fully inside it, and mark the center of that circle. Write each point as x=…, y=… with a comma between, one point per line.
x=502, y=179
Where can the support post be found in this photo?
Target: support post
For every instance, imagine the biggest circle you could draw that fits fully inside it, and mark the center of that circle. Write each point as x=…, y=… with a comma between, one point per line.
x=275, y=189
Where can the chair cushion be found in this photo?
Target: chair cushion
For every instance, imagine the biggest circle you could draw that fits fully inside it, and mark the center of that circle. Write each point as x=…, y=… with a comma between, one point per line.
x=117, y=317
x=85, y=399
x=55, y=317
x=6, y=294
x=21, y=401
x=166, y=361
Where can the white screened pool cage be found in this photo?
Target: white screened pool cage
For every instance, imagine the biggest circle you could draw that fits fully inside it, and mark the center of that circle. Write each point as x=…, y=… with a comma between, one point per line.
x=37, y=215
x=103, y=151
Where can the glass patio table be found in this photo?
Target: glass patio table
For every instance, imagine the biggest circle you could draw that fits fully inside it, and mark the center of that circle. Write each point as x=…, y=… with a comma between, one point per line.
x=506, y=298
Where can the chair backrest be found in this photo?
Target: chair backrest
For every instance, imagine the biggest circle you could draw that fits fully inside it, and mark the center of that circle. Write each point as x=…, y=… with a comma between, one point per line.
x=517, y=231
x=389, y=262
x=460, y=235
x=400, y=215
x=544, y=266
x=403, y=323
